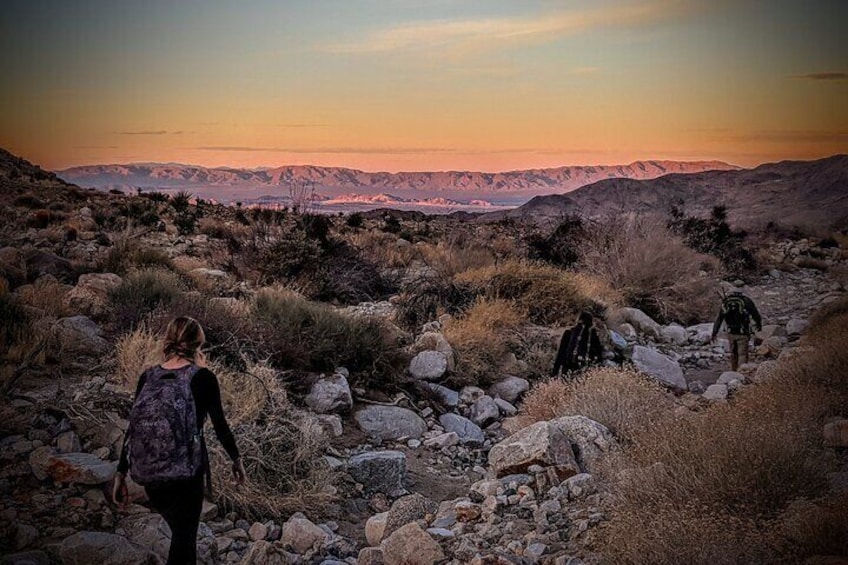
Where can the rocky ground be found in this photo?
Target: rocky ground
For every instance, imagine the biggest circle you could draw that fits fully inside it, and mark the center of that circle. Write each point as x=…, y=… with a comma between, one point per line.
x=432, y=475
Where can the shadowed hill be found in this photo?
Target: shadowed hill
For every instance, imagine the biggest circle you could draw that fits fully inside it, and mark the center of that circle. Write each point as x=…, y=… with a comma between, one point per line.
x=789, y=193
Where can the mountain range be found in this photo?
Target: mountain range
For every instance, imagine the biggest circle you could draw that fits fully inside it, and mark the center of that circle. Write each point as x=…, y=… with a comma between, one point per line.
x=225, y=183
x=810, y=194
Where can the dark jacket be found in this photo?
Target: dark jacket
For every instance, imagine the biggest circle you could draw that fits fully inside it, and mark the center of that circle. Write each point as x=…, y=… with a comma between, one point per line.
x=753, y=313
x=579, y=347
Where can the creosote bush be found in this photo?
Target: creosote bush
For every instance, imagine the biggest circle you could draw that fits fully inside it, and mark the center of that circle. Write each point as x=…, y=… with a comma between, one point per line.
x=310, y=336
x=140, y=293
x=127, y=254
x=653, y=269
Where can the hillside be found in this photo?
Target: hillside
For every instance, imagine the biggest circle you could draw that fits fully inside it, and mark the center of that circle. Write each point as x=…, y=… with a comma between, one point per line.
x=803, y=193
x=340, y=180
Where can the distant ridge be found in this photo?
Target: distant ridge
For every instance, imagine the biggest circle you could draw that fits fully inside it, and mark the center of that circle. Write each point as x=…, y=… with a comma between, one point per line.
x=342, y=180
x=801, y=193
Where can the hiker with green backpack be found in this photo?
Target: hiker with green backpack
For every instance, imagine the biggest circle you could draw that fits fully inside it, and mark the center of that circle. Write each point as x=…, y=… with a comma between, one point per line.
x=737, y=312
x=164, y=450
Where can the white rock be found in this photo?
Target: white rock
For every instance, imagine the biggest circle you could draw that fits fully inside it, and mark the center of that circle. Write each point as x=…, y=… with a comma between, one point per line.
x=716, y=392
x=674, y=334
x=428, y=365
x=659, y=366
x=509, y=388
x=330, y=394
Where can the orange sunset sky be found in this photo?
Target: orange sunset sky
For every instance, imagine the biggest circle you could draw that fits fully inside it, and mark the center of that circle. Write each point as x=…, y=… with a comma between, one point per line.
x=422, y=85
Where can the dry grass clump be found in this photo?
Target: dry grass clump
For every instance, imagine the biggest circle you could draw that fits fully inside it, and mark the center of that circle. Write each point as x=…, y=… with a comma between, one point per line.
x=652, y=268
x=744, y=482
x=135, y=352
x=46, y=295
x=281, y=448
x=483, y=336
x=127, y=254
x=380, y=248
x=549, y=295
x=140, y=293
x=627, y=403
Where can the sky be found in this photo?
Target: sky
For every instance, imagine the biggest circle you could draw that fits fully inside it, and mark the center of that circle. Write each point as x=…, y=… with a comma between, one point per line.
x=392, y=85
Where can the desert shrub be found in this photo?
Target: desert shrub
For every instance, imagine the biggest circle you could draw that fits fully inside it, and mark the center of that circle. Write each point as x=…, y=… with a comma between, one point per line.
x=426, y=298
x=14, y=320
x=134, y=352
x=40, y=219
x=342, y=276
x=155, y=196
x=140, y=293
x=623, y=400
x=127, y=254
x=282, y=452
x=142, y=211
x=714, y=235
x=482, y=338
x=745, y=481
x=215, y=228
x=355, y=220
x=186, y=222
x=29, y=201
x=561, y=246
x=59, y=206
x=288, y=256
x=380, y=249
x=805, y=262
x=310, y=336
x=547, y=294
x=652, y=268
x=456, y=255
x=180, y=201
x=46, y=295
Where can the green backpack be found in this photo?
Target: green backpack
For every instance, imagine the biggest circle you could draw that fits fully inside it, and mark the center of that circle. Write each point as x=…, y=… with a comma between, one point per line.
x=736, y=314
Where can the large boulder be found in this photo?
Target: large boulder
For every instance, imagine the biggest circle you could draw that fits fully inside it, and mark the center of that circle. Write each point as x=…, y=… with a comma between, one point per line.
x=148, y=531
x=484, y=411
x=509, y=388
x=40, y=263
x=91, y=294
x=411, y=545
x=302, y=535
x=86, y=548
x=466, y=430
x=390, y=422
x=538, y=444
x=836, y=433
x=591, y=439
x=443, y=395
x=81, y=337
x=674, y=334
x=435, y=341
x=330, y=394
x=658, y=366
x=379, y=471
x=428, y=365
x=408, y=509
x=639, y=320
x=796, y=326
x=700, y=334
x=76, y=468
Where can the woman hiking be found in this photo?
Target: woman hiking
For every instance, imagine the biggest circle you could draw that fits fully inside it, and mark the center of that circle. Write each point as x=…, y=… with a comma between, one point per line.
x=164, y=449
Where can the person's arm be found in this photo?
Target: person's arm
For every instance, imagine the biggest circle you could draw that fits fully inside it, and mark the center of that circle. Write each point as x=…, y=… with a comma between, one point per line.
x=123, y=463
x=718, y=322
x=755, y=314
x=209, y=396
x=560, y=356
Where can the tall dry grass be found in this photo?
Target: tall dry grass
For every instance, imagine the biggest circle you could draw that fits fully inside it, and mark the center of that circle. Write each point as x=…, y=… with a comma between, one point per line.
x=742, y=482
x=482, y=338
x=652, y=268
x=549, y=296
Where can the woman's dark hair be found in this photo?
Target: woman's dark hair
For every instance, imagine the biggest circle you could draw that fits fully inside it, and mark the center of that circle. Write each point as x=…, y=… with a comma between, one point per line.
x=586, y=318
x=183, y=337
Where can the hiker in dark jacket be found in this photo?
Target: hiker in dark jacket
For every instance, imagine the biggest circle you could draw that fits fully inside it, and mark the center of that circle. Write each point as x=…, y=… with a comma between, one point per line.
x=178, y=500
x=737, y=312
x=579, y=347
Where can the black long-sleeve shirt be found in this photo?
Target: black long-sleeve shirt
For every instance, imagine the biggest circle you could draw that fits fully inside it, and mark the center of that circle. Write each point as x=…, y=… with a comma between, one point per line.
x=207, y=400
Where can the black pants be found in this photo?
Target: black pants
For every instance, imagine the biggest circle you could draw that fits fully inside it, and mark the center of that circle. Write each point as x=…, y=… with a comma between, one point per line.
x=179, y=503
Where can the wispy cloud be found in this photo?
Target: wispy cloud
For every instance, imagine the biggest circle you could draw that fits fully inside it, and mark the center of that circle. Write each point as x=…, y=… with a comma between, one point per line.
x=143, y=132
x=300, y=126
x=791, y=136
x=585, y=71
x=823, y=76
x=476, y=34
x=96, y=147
x=328, y=150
